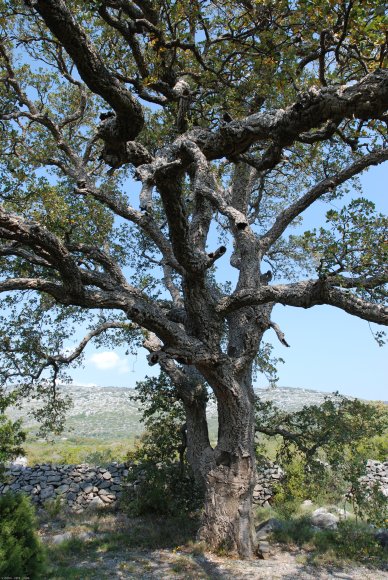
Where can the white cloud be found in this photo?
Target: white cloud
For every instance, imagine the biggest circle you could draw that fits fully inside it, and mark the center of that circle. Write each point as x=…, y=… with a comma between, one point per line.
x=109, y=360
x=105, y=360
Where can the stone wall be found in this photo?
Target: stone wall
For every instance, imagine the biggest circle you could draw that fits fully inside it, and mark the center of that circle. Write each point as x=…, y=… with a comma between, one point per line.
x=81, y=486
x=376, y=472
x=267, y=478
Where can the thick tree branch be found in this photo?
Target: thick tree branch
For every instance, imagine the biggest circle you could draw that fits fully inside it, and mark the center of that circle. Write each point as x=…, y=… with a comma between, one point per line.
x=17, y=251
x=143, y=220
x=305, y=295
x=177, y=344
x=129, y=115
x=287, y=215
x=46, y=245
x=55, y=289
x=366, y=99
x=110, y=266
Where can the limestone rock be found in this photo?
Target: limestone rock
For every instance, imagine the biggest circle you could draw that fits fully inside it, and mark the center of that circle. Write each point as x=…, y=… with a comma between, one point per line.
x=60, y=538
x=265, y=528
x=96, y=503
x=322, y=518
x=263, y=550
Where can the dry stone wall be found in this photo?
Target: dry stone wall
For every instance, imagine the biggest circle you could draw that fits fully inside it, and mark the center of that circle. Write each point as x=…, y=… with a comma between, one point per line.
x=267, y=478
x=376, y=472
x=82, y=486
x=78, y=486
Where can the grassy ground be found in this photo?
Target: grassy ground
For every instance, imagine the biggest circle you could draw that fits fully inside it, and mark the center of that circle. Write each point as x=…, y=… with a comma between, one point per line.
x=352, y=542
x=75, y=450
x=109, y=544
x=99, y=451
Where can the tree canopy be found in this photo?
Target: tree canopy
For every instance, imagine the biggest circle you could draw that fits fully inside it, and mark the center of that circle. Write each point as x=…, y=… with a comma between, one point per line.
x=234, y=117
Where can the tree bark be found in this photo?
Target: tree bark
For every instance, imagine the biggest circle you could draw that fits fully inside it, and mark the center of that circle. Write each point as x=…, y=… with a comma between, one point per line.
x=200, y=454
x=227, y=522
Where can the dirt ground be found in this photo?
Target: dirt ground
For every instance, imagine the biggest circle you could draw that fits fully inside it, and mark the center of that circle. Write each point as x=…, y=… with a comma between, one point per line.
x=175, y=565
x=110, y=546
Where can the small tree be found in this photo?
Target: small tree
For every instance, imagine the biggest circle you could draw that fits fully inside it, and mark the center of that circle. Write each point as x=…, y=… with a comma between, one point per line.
x=235, y=117
x=324, y=449
x=11, y=434
x=328, y=431
x=165, y=483
x=21, y=552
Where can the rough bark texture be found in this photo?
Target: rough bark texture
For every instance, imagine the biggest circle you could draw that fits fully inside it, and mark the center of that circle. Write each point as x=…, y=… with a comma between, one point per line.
x=228, y=520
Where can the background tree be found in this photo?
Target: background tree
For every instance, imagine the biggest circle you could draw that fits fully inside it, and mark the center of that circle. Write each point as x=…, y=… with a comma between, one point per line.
x=235, y=117
x=11, y=434
x=324, y=449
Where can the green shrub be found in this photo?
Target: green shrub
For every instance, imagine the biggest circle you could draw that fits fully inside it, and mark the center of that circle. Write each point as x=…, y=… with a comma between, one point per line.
x=166, y=488
x=352, y=541
x=294, y=531
x=297, y=485
x=21, y=553
x=165, y=483
x=54, y=506
x=11, y=434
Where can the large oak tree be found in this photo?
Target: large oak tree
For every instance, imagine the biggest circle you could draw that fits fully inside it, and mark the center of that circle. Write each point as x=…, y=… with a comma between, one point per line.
x=235, y=117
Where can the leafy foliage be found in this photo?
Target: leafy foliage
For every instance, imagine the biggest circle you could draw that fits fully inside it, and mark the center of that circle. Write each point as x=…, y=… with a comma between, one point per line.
x=163, y=417
x=162, y=478
x=356, y=243
x=11, y=434
x=324, y=431
x=323, y=450
x=21, y=552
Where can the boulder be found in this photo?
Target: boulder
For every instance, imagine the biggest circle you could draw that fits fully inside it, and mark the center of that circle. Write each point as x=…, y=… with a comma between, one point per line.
x=47, y=492
x=59, y=538
x=96, y=503
x=322, y=518
x=62, y=488
x=263, y=550
x=265, y=528
x=307, y=503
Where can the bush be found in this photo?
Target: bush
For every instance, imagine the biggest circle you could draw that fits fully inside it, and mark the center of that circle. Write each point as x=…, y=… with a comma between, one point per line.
x=166, y=488
x=11, y=434
x=294, y=531
x=21, y=553
x=164, y=480
x=352, y=540
x=298, y=484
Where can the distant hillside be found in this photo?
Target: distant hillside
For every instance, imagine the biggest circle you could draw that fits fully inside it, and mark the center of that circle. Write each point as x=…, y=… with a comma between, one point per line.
x=109, y=412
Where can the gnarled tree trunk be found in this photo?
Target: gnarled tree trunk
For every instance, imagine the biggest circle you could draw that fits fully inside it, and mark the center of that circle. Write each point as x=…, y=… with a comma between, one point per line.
x=200, y=454
x=227, y=520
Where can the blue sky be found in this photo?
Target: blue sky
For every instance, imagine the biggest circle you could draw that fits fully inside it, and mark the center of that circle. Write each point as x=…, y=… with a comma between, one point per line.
x=329, y=349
